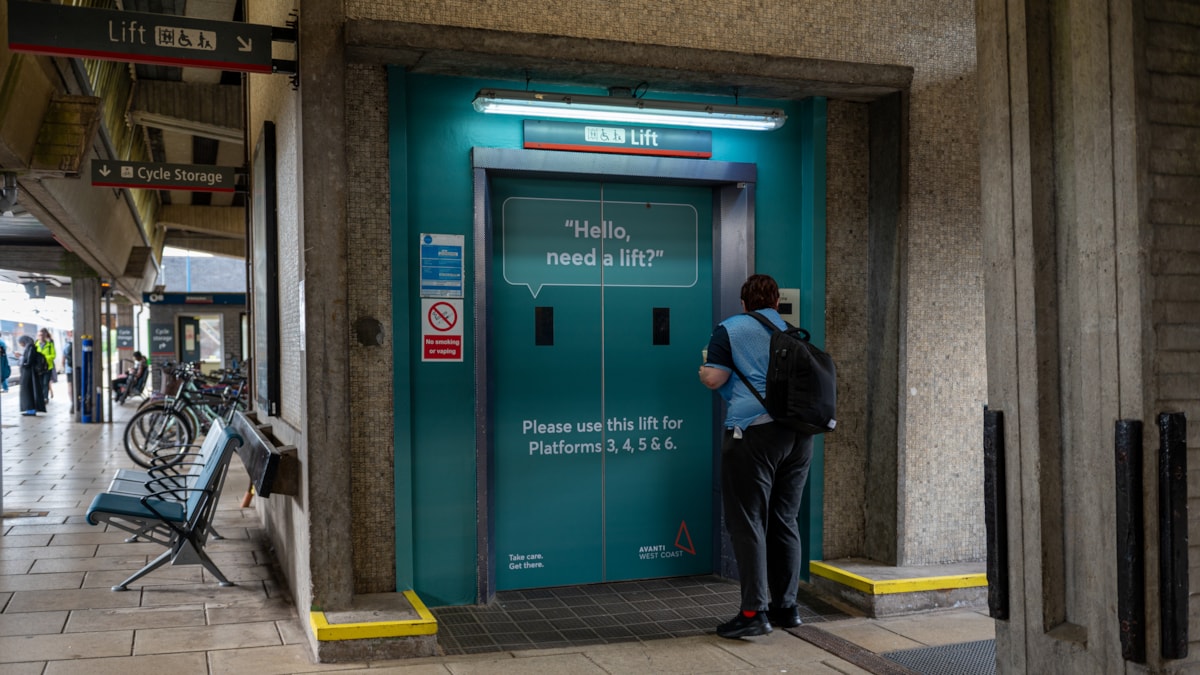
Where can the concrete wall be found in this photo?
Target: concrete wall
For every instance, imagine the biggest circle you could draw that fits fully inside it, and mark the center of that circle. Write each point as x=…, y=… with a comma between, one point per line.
x=941, y=375
x=1089, y=171
x=333, y=219
x=286, y=519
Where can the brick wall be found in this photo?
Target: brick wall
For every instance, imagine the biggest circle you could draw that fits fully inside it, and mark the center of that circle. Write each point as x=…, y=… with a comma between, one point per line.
x=1173, y=119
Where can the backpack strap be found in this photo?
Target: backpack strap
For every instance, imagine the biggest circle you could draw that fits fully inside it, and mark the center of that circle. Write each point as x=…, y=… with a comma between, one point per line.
x=773, y=329
x=745, y=380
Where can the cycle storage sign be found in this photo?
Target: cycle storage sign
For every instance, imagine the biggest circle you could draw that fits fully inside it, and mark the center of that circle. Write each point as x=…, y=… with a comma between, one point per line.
x=441, y=329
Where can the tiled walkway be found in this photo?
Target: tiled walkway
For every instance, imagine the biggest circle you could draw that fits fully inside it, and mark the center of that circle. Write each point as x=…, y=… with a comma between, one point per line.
x=58, y=614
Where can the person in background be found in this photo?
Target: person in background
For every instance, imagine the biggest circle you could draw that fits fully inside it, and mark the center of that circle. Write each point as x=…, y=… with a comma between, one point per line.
x=764, y=466
x=45, y=347
x=33, y=366
x=69, y=370
x=120, y=383
x=5, y=368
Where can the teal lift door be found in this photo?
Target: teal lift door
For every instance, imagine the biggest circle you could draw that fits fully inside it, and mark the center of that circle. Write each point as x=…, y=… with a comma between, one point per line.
x=602, y=451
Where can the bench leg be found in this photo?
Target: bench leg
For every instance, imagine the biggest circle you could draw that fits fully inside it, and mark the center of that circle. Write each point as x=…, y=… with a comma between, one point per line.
x=150, y=567
x=191, y=554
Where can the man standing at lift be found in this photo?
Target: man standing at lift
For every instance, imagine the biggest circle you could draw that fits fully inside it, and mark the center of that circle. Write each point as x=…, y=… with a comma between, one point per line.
x=764, y=466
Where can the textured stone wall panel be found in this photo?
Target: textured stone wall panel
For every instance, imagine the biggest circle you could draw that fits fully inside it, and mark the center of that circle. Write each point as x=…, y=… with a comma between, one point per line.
x=369, y=277
x=846, y=226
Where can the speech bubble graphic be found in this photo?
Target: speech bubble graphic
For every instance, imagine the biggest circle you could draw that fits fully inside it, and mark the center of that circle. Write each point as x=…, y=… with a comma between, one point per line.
x=579, y=242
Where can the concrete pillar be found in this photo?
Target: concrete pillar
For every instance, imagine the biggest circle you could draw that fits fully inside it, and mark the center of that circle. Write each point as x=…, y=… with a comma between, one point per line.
x=1071, y=325
x=85, y=296
x=325, y=299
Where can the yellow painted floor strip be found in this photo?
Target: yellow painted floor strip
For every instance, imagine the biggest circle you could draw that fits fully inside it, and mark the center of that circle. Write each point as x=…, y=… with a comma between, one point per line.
x=328, y=632
x=889, y=586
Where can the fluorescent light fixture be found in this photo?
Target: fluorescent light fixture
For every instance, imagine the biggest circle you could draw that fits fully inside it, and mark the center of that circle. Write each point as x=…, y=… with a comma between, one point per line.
x=629, y=110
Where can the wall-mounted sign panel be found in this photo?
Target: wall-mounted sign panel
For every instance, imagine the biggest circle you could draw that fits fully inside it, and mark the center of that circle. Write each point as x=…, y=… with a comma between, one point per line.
x=154, y=176
x=194, y=298
x=618, y=139
x=138, y=37
x=442, y=265
x=162, y=341
x=124, y=337
x=441, y=330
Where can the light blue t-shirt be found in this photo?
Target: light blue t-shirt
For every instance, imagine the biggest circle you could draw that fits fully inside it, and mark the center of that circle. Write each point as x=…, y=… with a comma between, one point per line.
x=752, y=353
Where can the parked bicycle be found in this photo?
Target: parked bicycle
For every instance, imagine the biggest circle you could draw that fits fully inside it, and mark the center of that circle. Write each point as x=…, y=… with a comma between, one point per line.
x=183, y=411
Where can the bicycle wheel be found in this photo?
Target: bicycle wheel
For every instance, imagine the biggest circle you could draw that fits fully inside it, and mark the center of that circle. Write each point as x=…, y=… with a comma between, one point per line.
x=151, y=430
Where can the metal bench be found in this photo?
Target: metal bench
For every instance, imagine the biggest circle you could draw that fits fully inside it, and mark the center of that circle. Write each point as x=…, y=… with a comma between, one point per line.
x=177, y=517
x=175, y=466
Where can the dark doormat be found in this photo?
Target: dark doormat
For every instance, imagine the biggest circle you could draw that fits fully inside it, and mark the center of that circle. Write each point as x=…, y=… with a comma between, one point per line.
x=627, y=611
x=966, y=658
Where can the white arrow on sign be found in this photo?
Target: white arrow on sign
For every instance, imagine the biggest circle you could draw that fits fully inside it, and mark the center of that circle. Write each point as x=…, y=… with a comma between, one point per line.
x=104, y=170
x=245, y=45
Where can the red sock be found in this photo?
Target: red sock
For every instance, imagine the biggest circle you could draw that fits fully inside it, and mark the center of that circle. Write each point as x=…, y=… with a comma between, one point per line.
x=748, y=614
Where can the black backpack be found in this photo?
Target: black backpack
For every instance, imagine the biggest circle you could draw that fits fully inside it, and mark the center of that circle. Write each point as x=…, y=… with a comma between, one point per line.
x=801, y=381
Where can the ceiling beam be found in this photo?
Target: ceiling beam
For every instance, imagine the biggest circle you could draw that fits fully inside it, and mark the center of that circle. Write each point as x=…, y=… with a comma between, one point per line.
x=195, y=108
x=44, y=260
x=228, y=222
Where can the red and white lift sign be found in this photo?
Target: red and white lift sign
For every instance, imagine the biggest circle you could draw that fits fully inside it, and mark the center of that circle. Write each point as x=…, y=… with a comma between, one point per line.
x=441, y=329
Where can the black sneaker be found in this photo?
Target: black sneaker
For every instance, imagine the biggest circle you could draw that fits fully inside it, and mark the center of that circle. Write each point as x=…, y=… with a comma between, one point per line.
x=743, y=626
x=785, y=617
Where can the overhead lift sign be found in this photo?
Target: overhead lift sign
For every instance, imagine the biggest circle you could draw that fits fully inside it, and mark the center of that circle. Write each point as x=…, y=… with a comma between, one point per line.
x=193, y=177
x=138, y=37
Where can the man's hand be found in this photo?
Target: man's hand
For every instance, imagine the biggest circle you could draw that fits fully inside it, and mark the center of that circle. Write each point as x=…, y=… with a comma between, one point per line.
x=713, y=378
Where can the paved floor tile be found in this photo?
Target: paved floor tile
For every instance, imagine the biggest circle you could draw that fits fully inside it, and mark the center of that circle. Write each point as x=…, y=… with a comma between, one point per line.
x=267, y=611
x=63, y=528
x=96, y=536
x=32, y=623
x=192, y=662
x=870, y=635
x=576, y=664
x=34, y=668
x=15, y=566
x=208, y=594
x=943, y=628
x=26, y=540
x=282, y=660
x=686, y=655
x=48, y=565
x=163, y=576
x=120, y=547
x=203, y=638
x=133, y=618
x=33, y=582
x=32, y=552
x=293, y=631
x=15, y=649
x=88, y=598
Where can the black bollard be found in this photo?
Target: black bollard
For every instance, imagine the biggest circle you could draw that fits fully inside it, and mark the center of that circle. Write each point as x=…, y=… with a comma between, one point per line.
x=995, y=519
x=1131, y=559
x=1172, y=534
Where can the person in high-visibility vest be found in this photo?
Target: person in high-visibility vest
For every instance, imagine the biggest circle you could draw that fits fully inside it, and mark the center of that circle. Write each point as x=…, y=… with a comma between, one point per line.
x=45, y=347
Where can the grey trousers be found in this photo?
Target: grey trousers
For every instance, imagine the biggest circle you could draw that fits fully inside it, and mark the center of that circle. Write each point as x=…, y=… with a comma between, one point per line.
x=762, y=480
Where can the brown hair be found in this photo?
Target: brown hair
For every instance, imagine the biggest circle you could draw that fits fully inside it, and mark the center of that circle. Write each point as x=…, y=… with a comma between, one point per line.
x=760, y=292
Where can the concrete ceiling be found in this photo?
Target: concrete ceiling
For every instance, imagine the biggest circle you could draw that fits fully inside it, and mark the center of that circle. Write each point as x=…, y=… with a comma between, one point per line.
x=62, y=227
